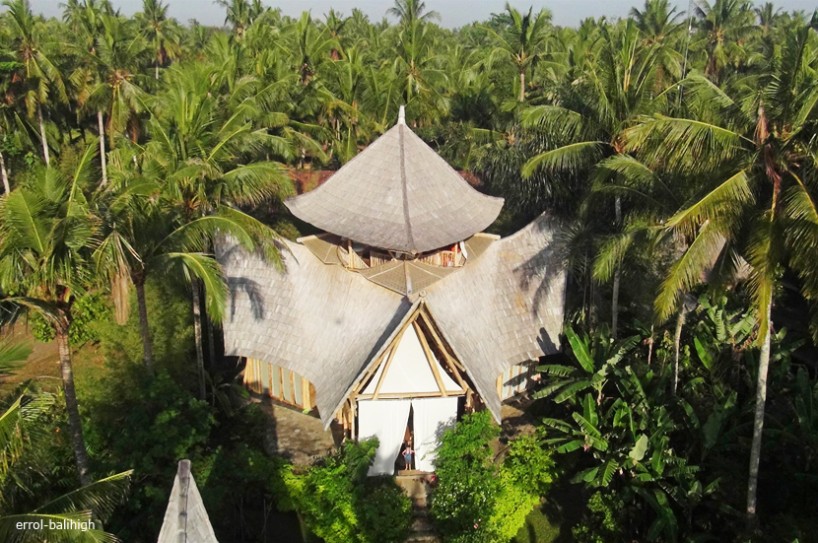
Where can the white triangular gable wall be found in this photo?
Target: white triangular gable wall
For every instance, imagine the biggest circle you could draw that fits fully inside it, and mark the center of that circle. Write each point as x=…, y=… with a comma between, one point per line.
x=409, y=372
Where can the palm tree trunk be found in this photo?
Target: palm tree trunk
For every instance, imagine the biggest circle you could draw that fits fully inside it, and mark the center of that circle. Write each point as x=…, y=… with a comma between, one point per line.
x=615, y=303
x=521, y=97
x=758, y=424
x=197, y=330
x=677, y=343
x=102, y=157
x=71, y=406
x=5, y=174
x=617, y=276
x=211, y=342
x=156, y=70
x=43, y=138
x=144, y=329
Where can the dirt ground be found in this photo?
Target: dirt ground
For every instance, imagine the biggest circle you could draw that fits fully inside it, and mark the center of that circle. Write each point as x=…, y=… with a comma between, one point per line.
x=43, y=364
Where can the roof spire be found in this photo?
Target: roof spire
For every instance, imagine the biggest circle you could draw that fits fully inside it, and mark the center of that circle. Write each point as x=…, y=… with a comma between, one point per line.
x=402, y=115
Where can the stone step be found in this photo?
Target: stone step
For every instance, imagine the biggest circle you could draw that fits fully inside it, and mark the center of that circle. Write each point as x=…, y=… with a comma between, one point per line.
x=422, y=524
x=423, y=538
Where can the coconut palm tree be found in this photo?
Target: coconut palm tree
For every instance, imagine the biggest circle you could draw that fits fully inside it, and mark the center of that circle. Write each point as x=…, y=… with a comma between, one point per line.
x=751, y=147
x=161, y=32
x=196, y=145
x=657, y=21
x=19, y=423
x=726, y=25
x=419, y=75
x=587, y=126
x=107, y=82
x=41, y=74
x=84, y=19
x=15, y=133
x=47, y=235
x=241, y=14
x=523, y=41
x=344, y=104
x=661, y=27
x=411, y=12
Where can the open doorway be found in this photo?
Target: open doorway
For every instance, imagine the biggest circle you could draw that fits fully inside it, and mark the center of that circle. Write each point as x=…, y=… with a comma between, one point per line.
x=406, y=458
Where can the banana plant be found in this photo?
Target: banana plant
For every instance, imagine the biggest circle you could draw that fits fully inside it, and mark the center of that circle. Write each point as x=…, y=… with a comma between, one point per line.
x=595, y=360
x=627, y=437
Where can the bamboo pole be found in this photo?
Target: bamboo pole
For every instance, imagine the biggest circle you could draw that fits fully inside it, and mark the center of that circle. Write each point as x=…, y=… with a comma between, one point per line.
x=406, y=395
x=430, y=359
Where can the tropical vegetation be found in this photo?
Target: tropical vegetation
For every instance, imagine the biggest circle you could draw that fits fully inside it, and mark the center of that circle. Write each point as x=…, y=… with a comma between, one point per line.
x=677, y=148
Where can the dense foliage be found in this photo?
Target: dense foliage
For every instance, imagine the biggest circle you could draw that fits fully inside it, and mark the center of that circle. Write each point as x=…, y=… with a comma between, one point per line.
x=678, y=150
x=339, y=503
x=483, y=498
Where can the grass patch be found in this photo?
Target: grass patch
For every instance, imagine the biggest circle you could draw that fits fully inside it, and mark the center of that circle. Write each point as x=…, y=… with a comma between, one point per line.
x=537, y=529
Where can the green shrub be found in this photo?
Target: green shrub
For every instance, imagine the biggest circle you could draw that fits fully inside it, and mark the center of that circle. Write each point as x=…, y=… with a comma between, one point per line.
x=478, y=499
x=147, y=423
x=340, y=504
x=464, y=500
x=600, y=524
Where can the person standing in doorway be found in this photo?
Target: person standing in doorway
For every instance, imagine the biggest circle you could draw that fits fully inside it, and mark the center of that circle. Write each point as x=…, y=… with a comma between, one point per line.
x=407, y=455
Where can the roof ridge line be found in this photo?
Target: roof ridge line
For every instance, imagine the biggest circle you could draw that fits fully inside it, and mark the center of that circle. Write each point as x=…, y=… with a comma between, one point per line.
x=406, y=216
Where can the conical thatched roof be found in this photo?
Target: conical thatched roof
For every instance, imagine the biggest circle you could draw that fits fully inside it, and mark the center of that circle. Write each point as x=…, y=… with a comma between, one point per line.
x=398, y=194
x=186, y=520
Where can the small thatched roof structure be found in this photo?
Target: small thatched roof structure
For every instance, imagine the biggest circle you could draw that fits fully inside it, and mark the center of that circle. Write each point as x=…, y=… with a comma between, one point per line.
x=186, y=520
x=329, y=324
x=398, y=194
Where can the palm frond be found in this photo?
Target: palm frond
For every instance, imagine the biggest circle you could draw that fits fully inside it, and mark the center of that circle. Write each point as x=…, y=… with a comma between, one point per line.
x=611, y=255
x=684, y=145
x=572, y=158
x=764, y=254
x=73, y=527
x=101, y=497
x=564, y=123
x=12, y=355
x=205, y=268
x=801, y=235
x=689, y=269
x=730, y=195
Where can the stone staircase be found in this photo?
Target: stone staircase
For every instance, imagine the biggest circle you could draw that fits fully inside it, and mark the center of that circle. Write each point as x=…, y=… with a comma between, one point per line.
x=422, y=530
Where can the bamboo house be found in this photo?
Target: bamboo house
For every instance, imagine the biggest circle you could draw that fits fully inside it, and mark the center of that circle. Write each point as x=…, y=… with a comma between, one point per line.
x=402, y=313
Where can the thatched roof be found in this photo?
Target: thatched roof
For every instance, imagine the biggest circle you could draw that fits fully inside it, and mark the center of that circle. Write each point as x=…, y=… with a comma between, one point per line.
x=506, y=307
x=186, y=520
x=398, y=194
x=321, y=321
x=328, y=323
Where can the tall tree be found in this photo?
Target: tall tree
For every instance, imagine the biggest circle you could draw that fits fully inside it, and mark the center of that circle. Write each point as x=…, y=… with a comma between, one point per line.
x=588, y=125
x=524, y=41
x=751, y=146
x=727, y=25
x=410, y=12
x=161, y=32
x=42, y=75
x=241, y=14
x=104, y=81
x=196, y=143
x=47, y=235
